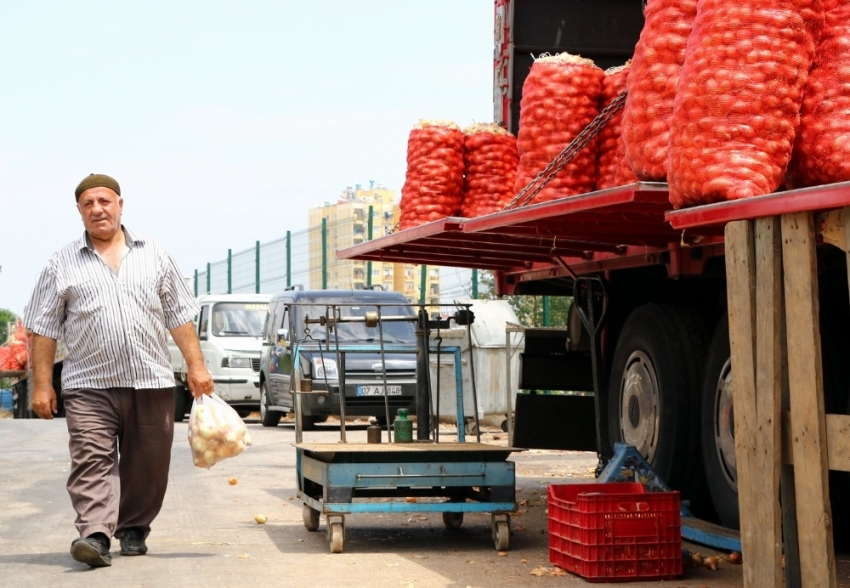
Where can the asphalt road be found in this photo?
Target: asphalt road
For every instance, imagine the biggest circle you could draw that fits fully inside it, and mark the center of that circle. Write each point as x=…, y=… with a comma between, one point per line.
x=206, y=534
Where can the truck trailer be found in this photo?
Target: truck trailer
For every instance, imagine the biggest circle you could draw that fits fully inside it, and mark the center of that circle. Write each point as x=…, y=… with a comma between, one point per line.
x=663, y=372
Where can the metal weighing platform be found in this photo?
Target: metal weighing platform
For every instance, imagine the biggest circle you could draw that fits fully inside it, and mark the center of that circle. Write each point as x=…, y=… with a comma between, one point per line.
x=470, y=477
x=422, y=476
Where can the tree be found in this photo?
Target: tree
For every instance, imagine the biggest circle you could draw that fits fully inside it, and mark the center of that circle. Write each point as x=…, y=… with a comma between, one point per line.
x=528, y=309
x=6, y=317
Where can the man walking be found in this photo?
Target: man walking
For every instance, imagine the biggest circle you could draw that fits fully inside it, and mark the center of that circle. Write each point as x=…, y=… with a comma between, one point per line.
x=111, y=295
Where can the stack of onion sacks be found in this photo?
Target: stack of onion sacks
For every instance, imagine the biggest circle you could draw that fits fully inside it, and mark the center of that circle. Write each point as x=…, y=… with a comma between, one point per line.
x=215, y=432
x=738, y=104
x=821, y=152
x=490, y=158
x=433, y=186
x=14, y=357
x=560, y=97
x=612, y=167
x=654, y=77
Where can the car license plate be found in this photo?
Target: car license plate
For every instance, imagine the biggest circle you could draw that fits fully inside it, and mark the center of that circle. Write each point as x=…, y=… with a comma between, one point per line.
x=378, y=390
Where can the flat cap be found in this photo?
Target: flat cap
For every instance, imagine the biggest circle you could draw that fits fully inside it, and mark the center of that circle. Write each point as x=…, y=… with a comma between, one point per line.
x=97, y=181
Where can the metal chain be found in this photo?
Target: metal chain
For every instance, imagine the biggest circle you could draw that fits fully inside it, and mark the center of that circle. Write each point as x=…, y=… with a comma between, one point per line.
x=546, y=175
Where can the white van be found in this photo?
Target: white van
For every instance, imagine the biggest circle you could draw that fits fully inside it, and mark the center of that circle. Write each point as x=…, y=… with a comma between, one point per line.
x=230, y=329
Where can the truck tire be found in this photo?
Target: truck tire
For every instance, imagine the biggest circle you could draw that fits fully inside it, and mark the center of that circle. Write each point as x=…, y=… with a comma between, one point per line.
x=308, y=423
x=269, y=418
x=654, y=392
x=180, y=404
x=718, y=427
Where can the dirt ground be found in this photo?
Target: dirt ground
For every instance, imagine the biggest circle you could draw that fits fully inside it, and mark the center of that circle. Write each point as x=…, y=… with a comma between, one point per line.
x=206, y=533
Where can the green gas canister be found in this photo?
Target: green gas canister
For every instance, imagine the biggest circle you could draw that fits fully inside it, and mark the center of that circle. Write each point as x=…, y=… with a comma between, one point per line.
x=403, y=427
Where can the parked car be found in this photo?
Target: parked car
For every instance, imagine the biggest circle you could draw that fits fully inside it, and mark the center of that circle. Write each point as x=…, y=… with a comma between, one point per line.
x=230, y=330
x=285, y=330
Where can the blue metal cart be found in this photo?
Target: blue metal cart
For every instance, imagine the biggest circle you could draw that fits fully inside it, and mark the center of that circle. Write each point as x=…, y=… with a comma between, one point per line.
x=423, y=476
x=336, y=480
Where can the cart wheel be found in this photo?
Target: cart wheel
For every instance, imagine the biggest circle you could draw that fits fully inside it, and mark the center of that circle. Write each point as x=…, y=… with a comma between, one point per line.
x=452, y=520
x=501, y=535
x=336, y=536
x=311, y=517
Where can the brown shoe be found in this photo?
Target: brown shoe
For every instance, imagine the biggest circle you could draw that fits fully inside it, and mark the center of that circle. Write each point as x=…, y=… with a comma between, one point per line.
x=133, y=542
x=92, y=550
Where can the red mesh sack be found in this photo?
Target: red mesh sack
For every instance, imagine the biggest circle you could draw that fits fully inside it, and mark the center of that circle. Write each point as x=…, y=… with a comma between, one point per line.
x=4, y=357
x=433, y=185
x=560, y=97
x=16, y=354
x=659, y=55
x=490, y=158
x=738, y=104
x=612, y=168
x=821, y=152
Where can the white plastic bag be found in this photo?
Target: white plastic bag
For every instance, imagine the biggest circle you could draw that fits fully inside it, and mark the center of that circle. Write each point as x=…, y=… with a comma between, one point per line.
x=215, y=431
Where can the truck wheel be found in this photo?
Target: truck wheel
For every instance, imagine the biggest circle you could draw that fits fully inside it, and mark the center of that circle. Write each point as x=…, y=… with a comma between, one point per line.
x=718, y=424
x=653, y=401
x=180, y=403
x=269, y=418
x=308, y=423
x=718, y=429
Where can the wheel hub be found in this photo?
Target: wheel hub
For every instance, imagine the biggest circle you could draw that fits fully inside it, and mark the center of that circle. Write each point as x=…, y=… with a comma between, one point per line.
x=639, y=402
x=724, y=425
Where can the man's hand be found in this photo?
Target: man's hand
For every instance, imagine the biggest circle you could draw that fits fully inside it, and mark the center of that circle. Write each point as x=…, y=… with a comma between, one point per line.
x=199, y=379
x=44, y=401
x=43, y=395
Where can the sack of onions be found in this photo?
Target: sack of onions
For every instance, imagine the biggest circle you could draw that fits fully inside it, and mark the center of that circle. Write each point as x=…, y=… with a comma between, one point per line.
x=433, y=186
x=490, y=159
x=659, y=55
x=738, y=104
x=612, y=169
x=560, y=97
x=821, y=153
x=215, y=431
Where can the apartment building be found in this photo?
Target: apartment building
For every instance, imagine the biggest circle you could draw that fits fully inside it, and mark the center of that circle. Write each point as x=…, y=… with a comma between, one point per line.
x=346, y=223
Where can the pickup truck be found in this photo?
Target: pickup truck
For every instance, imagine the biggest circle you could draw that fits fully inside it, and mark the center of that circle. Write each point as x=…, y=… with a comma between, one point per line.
x=230, y=328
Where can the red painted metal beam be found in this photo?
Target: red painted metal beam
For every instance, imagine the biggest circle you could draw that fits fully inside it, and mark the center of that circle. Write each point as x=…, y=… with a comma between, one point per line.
x=818, y=198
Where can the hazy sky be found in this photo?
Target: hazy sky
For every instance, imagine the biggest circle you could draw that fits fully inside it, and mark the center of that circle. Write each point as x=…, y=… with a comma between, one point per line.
x=224, y=122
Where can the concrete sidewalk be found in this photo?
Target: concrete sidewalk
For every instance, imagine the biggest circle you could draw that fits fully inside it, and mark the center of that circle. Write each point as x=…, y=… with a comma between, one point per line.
x=206, y=534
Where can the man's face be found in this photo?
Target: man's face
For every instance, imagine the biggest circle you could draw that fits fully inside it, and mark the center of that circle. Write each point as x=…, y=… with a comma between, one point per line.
x=101, y=212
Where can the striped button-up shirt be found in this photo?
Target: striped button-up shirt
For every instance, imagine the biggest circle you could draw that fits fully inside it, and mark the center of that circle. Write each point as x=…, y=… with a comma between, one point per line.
x=113, y=324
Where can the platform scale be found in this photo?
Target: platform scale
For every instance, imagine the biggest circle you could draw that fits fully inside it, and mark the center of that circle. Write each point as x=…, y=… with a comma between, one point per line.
x=338, y=479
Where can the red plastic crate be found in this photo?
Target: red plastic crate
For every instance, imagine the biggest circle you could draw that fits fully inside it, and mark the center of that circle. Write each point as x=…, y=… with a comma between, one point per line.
x=615, y=532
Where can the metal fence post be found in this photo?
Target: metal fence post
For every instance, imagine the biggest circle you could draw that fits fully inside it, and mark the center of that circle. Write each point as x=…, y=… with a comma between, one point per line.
x=257, y=268
x=208, y=277
x=369, y=237
x=546, y=311
x=288, y=259
x=229, y=271
x=196, y=283
x=422, y=285
x=475, y=284
x=324, y=253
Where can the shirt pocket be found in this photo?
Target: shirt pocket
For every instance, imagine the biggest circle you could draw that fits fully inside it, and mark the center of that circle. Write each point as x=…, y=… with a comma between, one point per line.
x=86, y=298
x=144, y=292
